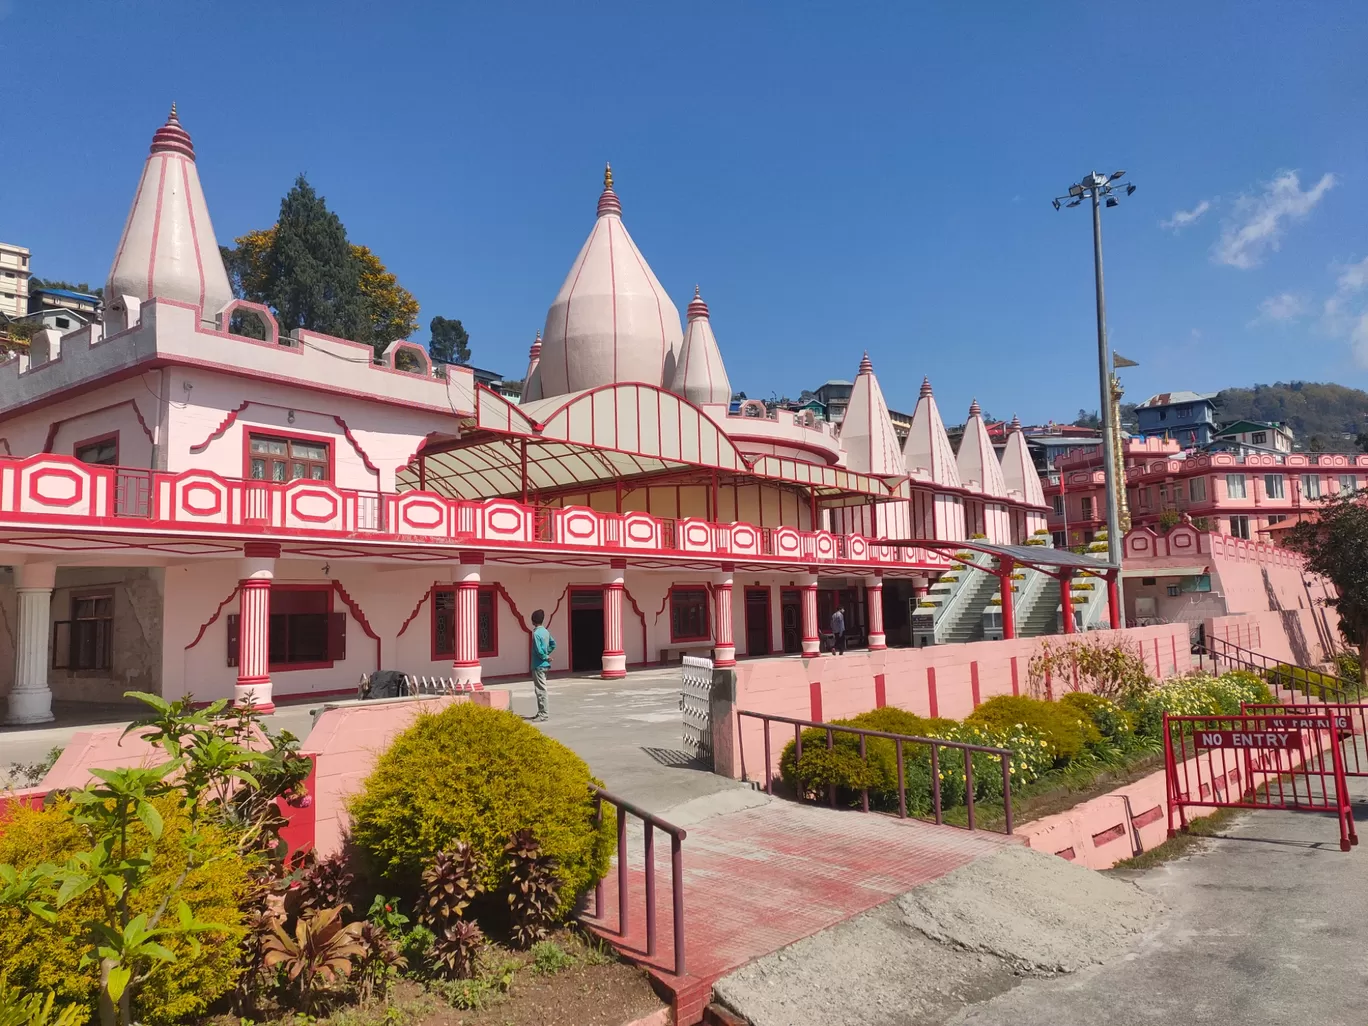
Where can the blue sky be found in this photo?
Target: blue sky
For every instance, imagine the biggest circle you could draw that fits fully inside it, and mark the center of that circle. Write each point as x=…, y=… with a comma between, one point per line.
x=837, y=177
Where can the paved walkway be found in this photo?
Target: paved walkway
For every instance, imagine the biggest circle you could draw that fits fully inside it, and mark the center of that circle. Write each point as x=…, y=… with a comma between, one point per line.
x=1269, y=925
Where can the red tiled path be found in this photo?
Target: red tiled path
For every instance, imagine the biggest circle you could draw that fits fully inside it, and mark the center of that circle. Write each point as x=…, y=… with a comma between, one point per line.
x=761, y=878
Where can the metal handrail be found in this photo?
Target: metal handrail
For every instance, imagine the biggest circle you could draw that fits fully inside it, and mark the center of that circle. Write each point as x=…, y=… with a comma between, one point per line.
x=1004, y=755
x=1344, y=690
x=677, y=836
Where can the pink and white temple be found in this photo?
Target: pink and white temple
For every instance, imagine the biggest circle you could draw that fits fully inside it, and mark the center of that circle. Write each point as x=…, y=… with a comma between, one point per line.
x=190, y=511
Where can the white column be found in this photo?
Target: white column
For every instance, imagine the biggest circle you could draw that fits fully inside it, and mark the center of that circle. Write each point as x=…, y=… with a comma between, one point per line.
x=812, y=642
x=614, y=651
x=724, y=644
x=466, y=666
x=256, y=572
x=31, y=699
x=874, y=605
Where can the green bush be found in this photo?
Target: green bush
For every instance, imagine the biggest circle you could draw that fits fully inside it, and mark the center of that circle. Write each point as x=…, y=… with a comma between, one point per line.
x=41, y=956
x=1199, y=695
x=475, y=774
x=1310, y=682
x=1347, y=666
x=1109, y=718
x=893, y=720
x=1066, y=730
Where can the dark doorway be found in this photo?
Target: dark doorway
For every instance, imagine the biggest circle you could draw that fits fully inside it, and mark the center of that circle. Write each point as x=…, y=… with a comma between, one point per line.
x=757, y=621
x=791, y=614
x=586, y=630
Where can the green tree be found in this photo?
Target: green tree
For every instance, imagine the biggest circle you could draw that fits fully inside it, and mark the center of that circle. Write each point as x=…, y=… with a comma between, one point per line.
x=450, y=341
x=1335, y=545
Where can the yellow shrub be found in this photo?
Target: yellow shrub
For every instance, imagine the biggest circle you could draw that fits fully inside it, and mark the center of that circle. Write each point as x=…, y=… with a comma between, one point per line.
x=40, y=956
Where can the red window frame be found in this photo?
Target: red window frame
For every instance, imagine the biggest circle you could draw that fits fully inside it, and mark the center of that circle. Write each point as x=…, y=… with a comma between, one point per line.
x=327, y=441
x=90, y=443
x=487, y=595
x=677, y=638
x=325, y=664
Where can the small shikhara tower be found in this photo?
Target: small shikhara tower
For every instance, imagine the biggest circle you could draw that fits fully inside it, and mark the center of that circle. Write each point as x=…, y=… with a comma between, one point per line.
x=699, y=375
x=168, y=249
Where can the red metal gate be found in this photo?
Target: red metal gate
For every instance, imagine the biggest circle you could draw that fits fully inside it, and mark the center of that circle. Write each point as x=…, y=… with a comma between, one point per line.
x=1289, y=762
x=1351, y=723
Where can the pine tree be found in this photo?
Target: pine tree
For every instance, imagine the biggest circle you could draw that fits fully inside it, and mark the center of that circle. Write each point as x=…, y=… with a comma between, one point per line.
x=450, y=341
x=312, y=276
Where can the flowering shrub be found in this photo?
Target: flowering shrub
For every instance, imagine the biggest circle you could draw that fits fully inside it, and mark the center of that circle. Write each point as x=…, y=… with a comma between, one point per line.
x=1198, y=695
x=1109, y=718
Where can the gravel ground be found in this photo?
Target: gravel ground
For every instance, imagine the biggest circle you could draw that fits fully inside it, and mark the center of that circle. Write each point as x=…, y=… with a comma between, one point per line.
x=959, y=940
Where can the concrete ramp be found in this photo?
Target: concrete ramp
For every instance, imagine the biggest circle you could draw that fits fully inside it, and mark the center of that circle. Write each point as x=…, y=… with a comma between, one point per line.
x=964, y=937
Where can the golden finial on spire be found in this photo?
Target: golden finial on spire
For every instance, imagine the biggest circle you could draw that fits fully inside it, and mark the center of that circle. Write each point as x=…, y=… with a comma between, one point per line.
x=173, y=112
x=607, y=175
x=696, y=294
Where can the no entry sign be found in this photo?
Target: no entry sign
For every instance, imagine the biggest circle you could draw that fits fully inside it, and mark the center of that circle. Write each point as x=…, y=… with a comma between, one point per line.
x=1248, y=738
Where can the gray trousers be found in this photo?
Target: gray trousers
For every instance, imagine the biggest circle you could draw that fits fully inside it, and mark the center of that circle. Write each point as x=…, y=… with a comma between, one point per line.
x=539, y=686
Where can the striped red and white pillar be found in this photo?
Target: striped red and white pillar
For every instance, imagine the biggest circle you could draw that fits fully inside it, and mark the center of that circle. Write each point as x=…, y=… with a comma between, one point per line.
x=812, y=641
x=254, y=625
x=466, y=666
x=874, y=602
x=724, y=645
x=614, y=651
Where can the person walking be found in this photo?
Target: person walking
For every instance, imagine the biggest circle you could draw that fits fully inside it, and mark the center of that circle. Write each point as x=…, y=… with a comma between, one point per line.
x=838, y=631
x=542, y=647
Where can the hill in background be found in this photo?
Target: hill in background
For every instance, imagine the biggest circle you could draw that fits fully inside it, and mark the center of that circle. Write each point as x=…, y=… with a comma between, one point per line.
x=1325, y=411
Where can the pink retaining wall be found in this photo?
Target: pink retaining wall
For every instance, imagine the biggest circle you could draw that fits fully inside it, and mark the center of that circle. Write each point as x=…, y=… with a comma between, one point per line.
x=940, y=680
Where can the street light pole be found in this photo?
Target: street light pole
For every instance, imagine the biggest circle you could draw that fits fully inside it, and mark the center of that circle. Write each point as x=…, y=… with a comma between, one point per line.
x=1104, y=371
x=1099, y=188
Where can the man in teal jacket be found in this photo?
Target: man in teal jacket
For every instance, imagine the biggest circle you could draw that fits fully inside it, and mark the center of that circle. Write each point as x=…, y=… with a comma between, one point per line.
x=542, y=647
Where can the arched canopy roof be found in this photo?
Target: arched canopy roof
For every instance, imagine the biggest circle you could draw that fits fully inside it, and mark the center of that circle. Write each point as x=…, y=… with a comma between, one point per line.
x=602, y=435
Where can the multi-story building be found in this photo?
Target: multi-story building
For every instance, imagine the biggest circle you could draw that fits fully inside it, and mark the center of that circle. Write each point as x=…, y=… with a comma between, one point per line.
x=1254, y=435
x=190, y=511
x=14, y=279
x=83, y=303
x=1189, y=418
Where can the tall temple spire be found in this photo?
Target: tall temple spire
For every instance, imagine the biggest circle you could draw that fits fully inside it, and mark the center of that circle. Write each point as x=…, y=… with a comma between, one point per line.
x=531, y=390
x=699, y=374
x=1018, y=469
x=168, y=249
x=867, y=435
x=978, y=461
x=611, y=322
x=608, y=202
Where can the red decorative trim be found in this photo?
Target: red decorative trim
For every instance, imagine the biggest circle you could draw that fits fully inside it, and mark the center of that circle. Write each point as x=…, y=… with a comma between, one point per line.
x=552, y=617
x=351, y=439
x=360, y=617
x=880, y=691
x=5, y=443
x=217, y=612
x=517, y=615
x=815, y=700
x=224, y=425
x=261, y=550
x=640, y=616
x=416, y=609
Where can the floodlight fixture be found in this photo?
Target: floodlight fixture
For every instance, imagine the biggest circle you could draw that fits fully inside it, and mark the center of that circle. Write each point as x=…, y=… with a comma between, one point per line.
x=1056, y=203
x=1116, y=174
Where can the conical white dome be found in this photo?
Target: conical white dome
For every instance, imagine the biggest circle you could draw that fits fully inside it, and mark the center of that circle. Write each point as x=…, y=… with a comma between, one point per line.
x=979, y=468
x=927, y=454
x=611, y=321
x=699, y=375
x=867, y=434
x=1018, y=469
x=168, y=249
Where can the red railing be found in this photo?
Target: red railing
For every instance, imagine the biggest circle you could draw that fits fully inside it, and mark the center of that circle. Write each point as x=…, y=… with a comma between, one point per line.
x=677, y=835
x=900, y=741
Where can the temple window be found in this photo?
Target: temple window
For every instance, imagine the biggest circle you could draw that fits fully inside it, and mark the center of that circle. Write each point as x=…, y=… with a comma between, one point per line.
x=86, y=641
x=99, y=451
x=281, y=458
x=689, y=615
x=444, y=622
x=305, y=633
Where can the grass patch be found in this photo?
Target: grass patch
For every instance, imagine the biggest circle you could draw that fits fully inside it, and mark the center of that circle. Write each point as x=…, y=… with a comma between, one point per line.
x=1183, y=843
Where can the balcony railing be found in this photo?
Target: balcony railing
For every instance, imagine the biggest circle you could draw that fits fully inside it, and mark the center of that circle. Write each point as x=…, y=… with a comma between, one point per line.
x=61, y=493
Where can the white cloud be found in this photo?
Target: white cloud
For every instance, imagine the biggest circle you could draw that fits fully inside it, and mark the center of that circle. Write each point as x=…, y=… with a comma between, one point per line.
x=1346, y=311
x=1182, y=218
x=1285, y=306
x=1257, y=223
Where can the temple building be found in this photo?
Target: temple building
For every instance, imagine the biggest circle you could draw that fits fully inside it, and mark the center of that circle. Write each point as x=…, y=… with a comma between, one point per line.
x=184, y=510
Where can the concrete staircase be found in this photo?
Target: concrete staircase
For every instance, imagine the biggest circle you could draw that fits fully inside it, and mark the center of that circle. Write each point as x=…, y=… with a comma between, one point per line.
x=1039, y=614
x=965, y=623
